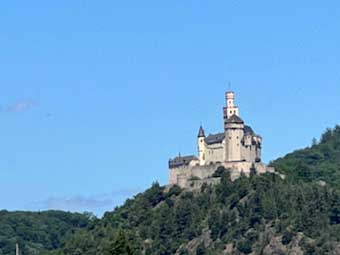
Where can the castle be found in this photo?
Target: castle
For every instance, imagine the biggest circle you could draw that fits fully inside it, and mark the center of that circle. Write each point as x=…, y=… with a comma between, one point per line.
x=237, y=149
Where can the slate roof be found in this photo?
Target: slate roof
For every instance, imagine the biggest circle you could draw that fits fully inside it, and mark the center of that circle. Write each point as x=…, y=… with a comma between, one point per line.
x=201, y=132
x=235, y=119
x=248, y=130
x=216, y=138
x=181, y=161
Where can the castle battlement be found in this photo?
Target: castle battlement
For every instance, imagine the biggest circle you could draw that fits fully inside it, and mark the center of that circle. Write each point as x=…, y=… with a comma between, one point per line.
x=238, y=148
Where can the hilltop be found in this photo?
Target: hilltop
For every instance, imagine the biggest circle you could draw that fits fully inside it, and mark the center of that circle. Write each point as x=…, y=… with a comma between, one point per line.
x=260, y=214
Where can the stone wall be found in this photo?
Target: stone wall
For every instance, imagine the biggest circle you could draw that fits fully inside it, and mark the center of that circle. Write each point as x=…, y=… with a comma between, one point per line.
x=186, y=175
x=194, y=185
x=181, y=175
x=214, y=153
x=210, y=153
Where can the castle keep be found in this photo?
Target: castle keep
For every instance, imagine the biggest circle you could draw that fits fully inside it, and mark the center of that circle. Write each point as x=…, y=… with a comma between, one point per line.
x=238, y=149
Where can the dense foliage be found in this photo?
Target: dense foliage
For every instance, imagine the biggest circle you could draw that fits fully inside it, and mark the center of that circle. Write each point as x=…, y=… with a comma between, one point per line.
x=260, y=214
x=38, y=231
x=320, y=162
x=236, y=213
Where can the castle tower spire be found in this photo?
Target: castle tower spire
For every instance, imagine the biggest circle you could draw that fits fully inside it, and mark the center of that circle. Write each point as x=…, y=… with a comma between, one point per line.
x=201, y=132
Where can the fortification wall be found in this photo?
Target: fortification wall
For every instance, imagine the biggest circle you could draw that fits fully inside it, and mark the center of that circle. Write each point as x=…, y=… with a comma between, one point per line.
x=186, y=175
x=181, y=175
x=194, y=185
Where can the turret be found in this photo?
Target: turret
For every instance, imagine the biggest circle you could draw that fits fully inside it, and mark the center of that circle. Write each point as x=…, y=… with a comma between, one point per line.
x=201, y=146
x=201, y=132
x=230, y=108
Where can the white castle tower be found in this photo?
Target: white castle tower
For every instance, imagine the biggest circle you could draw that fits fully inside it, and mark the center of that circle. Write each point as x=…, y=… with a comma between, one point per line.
x=230, y=109
x=234, y=130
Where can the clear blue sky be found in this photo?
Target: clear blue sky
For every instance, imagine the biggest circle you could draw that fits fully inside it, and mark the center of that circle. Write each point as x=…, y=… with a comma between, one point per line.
x=97, y=95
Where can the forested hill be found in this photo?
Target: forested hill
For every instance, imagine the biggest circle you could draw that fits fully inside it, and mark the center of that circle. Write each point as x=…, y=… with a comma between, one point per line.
x=262, y=214
x=37, y=232
x=320, y=162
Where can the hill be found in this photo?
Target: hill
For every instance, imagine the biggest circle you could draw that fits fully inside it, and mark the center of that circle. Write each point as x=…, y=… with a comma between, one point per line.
x=262, y=214
x=320, y=162
x=37, y=232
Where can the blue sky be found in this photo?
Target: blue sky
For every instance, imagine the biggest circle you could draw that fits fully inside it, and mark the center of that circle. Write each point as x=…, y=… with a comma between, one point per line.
x=96, y=96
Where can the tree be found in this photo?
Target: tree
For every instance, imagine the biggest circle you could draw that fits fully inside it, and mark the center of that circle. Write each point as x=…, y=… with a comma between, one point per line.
x=120, y=245
x=201, y=250
x=244, y=246
x=184, y=252
x=253, y=170
x=314, y=141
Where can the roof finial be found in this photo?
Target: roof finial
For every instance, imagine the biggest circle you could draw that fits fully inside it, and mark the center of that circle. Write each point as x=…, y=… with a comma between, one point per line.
x=229, y=84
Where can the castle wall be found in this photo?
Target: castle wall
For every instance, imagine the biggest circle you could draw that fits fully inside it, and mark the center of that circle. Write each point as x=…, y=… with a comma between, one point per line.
x=179, y=175
x=182, y=175
x=259, y=153
x=249, y=153
x=237, y=147
x=214, y=153
x=246, y=152
x=194, y=185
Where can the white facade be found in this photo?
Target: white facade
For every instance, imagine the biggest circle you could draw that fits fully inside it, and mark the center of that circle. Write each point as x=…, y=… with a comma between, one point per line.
x=237, y=146
x=237, y=143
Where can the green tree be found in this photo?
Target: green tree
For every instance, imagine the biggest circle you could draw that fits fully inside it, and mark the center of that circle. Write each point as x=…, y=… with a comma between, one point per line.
x=201, y=250
x=120, y=245
x=244, y=246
